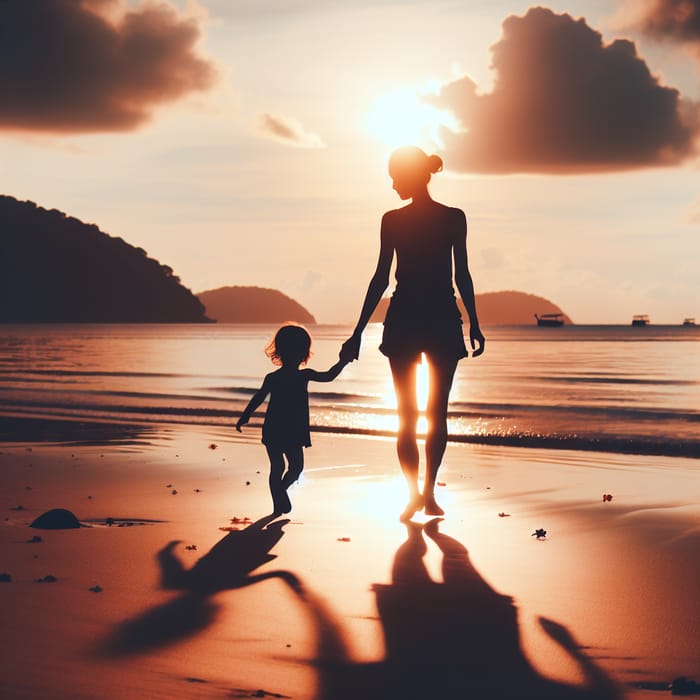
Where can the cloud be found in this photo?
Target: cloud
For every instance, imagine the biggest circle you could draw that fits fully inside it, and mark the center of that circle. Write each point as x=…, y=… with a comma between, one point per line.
x=288, y=130
x=672, y=19
x=563, y=101
x=94, y=65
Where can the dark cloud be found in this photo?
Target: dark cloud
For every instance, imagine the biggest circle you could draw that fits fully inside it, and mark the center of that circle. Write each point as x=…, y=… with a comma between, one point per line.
x=81, y=66
x=289, y=131
x=672, y=19
x=563, y=101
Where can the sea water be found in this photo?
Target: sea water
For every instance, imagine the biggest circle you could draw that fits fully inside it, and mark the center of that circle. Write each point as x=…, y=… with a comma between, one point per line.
x=608, y=388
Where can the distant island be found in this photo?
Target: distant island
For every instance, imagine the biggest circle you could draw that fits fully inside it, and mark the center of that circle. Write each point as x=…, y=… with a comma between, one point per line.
x=508, y=308
x=57, y=269
x=252, y=305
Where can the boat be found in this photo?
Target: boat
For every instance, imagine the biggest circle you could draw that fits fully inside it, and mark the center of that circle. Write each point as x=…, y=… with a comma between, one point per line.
x=640, y=320
x=552, y=320
x=689, y=321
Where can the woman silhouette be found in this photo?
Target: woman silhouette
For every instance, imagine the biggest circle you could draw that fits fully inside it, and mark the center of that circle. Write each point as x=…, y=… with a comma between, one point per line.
x=430, y=242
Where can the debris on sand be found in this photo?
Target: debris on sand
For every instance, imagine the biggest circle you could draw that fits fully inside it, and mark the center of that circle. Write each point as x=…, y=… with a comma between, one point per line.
x=213, y=446
x=49, y=578
x=503, y=515
x=607, y=497
x=540, y=534
x=344, y=539
x=96, y=588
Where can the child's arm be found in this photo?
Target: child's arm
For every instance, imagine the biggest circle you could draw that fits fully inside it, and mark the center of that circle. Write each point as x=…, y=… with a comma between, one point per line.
x=329, y=375
x=258, y=397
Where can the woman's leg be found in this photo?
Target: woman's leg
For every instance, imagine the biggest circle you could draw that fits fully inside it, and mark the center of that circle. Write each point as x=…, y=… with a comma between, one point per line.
x=440, y=378
x=404, y=375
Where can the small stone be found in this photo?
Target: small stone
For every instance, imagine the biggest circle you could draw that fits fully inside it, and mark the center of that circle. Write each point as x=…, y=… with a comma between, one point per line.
x=540, y=533
x=49, y=578
x=35, y=539
x=343, y=539
x=504, y=515
x=96, y=588
x=174, y=492
x=56, y=519
x=5, y=578
x=213, y=446
x=247, y=483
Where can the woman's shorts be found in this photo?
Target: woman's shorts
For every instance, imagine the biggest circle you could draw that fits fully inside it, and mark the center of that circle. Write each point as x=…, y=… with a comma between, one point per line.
x=435, y=330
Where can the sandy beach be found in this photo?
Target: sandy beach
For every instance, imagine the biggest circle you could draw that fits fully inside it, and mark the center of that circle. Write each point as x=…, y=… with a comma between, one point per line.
x=179, y=586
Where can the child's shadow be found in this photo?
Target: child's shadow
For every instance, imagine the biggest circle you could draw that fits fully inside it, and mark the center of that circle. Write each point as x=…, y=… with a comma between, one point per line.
x=227, y=565
x=456, y=638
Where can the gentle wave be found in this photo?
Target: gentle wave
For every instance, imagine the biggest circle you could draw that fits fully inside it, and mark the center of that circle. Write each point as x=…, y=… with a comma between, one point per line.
x=357, y=420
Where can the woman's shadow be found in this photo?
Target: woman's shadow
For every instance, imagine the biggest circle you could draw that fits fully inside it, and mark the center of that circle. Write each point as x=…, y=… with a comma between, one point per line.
x=228, y=565
x=456, y=638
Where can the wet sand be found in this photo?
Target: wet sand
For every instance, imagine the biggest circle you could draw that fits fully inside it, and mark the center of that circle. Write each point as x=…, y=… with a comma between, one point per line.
x=178, y=585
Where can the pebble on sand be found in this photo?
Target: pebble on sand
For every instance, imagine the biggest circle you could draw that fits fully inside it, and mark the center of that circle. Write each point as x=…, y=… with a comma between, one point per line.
x=56, y=519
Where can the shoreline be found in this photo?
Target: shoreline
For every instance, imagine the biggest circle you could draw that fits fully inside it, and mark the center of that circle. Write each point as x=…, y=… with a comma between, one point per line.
x=617, y=578
x=81, y=430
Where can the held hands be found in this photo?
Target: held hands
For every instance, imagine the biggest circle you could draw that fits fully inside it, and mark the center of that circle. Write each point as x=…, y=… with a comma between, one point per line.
x=477, y=341
x=351, y=349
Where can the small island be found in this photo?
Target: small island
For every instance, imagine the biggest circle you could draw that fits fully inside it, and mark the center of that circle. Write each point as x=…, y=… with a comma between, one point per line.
x=509, y=308
x=238, y=304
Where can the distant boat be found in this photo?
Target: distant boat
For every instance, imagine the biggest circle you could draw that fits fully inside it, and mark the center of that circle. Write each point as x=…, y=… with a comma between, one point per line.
x=689, y=321
x=640, y=320
x=551, y=320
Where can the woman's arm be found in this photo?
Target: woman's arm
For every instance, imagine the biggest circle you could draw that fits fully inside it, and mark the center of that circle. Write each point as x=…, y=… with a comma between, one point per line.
x=377, y=286
x=258, y=397
x=465, y=285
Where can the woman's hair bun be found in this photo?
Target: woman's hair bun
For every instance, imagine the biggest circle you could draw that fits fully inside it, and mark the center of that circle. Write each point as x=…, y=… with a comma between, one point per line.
x=434, y=164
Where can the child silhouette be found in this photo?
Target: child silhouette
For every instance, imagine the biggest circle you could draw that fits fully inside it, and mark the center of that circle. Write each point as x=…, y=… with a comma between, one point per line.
x=286, y=426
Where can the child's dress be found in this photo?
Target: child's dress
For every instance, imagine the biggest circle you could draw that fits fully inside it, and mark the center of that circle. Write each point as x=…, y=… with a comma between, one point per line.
x=286, y=422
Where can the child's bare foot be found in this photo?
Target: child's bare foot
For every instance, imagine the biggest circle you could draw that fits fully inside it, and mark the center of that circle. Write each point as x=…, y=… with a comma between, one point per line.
x=414, y=505
x=432, y=508
x=281, y=503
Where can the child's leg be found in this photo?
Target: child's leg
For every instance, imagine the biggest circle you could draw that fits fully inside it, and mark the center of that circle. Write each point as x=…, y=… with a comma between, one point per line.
x=295, y=465
x=277, y=492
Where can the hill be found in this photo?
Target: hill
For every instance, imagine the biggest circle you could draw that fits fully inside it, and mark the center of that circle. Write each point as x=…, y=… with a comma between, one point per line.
x=499, y=309
x=57, y=269
x=252, y=305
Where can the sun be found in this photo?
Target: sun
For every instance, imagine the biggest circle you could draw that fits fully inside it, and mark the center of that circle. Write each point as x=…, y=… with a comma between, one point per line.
x=401, y=117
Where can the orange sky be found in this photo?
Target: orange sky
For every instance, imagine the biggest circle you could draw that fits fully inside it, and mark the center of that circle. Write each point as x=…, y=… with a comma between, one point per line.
x=245, y=143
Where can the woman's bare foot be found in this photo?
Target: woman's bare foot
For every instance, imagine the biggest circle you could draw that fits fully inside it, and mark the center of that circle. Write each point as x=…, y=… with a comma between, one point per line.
x=414, y=505
x=431, y=507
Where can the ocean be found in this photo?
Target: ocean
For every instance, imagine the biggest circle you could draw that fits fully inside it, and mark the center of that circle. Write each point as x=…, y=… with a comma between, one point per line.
x=603, y=388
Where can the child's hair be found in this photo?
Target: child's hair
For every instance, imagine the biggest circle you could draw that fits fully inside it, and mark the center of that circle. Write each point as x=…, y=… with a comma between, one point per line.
x=290, y=346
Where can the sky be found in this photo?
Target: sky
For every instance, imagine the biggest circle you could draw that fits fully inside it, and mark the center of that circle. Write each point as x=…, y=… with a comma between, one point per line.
x=245, y=143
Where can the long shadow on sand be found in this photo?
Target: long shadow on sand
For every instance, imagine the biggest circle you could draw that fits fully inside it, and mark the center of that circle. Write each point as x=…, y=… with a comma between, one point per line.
x=452, y=639
x=228, y=565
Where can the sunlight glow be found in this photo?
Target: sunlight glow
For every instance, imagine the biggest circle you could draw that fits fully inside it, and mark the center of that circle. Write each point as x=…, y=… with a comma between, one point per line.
x=401, y=117
x=391, y=422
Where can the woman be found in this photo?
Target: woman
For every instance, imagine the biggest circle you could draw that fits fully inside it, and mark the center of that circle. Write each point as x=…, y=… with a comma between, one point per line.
x=429, y=240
